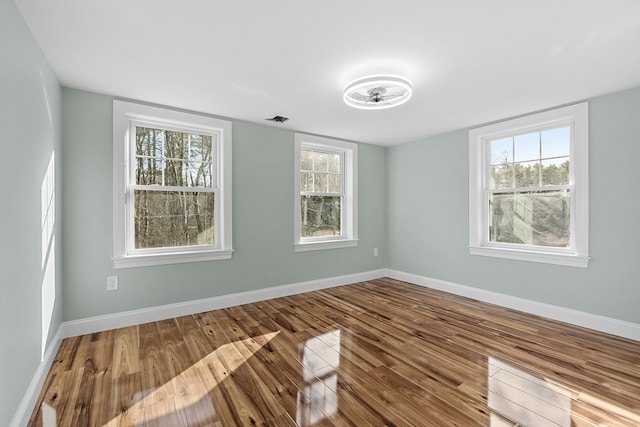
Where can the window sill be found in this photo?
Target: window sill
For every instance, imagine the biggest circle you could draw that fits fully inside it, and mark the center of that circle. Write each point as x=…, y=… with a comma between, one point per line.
x=568, y=260
x=170, y=258
x=327, y=244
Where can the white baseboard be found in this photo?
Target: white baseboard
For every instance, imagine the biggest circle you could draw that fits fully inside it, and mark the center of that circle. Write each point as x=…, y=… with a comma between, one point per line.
x=153, y=314
x=28, y=402
x=608, y=325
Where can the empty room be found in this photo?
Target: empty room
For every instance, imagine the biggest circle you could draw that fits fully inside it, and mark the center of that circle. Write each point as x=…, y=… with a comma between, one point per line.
x=320, y=213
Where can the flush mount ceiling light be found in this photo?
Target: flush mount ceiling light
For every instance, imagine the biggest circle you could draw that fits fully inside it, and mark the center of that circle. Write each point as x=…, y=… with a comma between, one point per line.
x=377, y=92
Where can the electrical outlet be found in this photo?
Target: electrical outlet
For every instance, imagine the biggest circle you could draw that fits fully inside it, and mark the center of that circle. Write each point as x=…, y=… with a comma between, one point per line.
x=375, y=251
x=112, y=283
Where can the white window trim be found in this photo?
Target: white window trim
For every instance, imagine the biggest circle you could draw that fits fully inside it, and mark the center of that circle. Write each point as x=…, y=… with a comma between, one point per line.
x=577, y=255
x=349, y=220
x=126, y=113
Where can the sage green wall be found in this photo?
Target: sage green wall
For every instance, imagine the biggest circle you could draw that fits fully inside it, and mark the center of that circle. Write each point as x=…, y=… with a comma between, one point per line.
x=262, y=220
x=29, y=134
x=413, y=205
x=428, y=219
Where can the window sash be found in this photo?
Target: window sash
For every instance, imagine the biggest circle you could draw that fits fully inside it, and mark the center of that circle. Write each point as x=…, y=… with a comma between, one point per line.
x=542, y=189
x=130, y=203
x=541, y=248
x=314, y=148
x=324, y=150
x=338, y=236
x=132, y=187
x=313, y=193
x=190, y=130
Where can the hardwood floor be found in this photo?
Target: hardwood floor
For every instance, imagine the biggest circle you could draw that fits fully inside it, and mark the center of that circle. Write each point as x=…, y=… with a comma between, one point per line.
x=378, y=353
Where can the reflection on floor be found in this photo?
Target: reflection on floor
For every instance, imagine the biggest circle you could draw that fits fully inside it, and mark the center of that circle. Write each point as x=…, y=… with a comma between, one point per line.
x=320, y=358
x=526, y=399
x=378, y=353
x=48, y=416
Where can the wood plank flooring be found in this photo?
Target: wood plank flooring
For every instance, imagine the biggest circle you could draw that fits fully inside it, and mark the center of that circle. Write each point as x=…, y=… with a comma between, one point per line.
x=377, y=353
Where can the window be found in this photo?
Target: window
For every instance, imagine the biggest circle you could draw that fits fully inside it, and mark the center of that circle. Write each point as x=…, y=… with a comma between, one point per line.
x=325, y=193
x=172, y=186
x=528, y=188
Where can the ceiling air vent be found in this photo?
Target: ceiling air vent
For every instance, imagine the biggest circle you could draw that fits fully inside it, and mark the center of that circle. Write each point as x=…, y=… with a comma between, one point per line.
x=278, y=119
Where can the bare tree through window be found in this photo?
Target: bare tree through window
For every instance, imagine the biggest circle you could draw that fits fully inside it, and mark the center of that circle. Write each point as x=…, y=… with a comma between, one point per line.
x=174, y=193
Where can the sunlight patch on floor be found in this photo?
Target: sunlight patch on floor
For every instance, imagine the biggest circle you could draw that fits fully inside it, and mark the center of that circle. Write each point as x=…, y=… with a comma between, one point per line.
x=186, y=391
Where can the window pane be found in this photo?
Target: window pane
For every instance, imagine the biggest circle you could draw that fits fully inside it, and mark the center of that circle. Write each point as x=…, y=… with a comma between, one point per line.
x=334, y=184
x=537, y=218
x=176, y=144
x=175, y=173
x=334, y=163
x=527, y=174
x=555, y=171
x=200, y=175
x=149, y=142
x=502, y=151
x=170, y=219
x=201, y=148
x=556, y=142
x=320, y=183
x=501, y=176
x=148, y=171
x=320, y=216
x=527, y=147
x=306, y=181
x=321, y=161
x=162, y=158
x=306, y=162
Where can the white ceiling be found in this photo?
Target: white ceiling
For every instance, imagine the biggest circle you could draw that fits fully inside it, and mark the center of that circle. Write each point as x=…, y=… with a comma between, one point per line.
x=470, y=61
